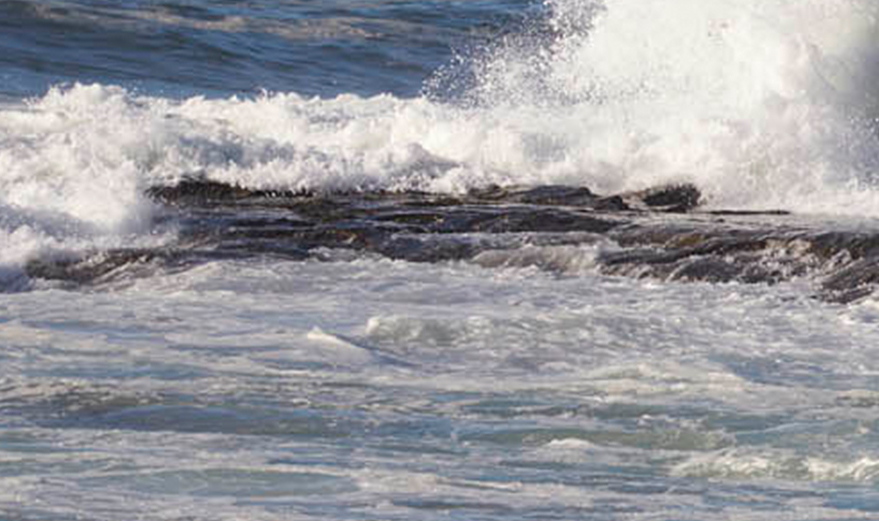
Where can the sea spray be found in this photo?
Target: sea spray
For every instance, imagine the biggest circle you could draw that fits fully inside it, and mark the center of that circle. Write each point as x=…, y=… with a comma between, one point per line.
x=759, y=104
x=762, y=104
x=70, y=175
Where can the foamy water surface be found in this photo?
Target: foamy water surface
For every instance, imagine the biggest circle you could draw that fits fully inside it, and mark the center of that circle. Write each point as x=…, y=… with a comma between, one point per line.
x=517, y=384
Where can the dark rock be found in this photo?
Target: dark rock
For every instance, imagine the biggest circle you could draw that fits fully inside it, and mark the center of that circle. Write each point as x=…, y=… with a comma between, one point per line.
x=552, y=195
x=853, y=282
x=195, y=191
x=535, y=220
x=613, y=203
x=218, y=221
x=678, y=198
x=675, y=198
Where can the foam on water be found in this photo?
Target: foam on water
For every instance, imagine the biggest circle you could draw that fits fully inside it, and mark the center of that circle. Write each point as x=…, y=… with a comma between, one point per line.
x=520, y=382
x=748, y=464
x=761, y=104
x=72, y=174
x=243, y=390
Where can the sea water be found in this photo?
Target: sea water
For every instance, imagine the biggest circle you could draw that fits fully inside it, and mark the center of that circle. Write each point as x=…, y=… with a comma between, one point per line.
x=524, y=383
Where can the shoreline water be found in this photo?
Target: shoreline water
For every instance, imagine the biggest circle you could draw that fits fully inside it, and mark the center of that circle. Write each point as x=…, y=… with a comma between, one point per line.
x=431, y=260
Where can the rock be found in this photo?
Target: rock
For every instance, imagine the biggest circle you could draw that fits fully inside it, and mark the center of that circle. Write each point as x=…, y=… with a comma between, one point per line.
x=220, y=221
x=676, y=198
x=202, y=191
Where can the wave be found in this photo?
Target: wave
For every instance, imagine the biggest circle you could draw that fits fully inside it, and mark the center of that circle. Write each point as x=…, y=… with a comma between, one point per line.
x=743, y=464
x=760, y=104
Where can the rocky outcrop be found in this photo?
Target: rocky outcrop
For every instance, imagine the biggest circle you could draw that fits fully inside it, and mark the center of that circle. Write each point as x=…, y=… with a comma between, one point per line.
x=661, y=233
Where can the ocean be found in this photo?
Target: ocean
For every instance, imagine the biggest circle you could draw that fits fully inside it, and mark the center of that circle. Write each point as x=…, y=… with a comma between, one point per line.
x=439, y=259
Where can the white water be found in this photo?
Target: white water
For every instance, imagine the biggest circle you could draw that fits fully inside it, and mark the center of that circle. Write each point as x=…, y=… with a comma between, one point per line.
x=763, y=104
x=258, y=391
x=519, y=385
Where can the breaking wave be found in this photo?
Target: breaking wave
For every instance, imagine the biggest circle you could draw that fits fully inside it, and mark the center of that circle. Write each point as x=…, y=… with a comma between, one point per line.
x=761, y=104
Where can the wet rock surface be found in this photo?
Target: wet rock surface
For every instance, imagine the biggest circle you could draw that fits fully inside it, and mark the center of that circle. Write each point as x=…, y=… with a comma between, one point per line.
x=659, y=233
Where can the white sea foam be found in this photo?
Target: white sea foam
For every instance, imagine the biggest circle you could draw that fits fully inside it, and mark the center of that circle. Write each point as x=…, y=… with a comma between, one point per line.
x=599, y=385
x=761, y=104
x=748, y=464
x=71, y=173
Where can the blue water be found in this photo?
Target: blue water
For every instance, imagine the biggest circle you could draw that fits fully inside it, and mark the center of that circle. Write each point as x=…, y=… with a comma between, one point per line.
x=522, y=384
x=226, y=48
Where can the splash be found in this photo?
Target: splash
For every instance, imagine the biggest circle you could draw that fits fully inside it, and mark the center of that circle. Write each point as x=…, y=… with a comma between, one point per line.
x=760, y=103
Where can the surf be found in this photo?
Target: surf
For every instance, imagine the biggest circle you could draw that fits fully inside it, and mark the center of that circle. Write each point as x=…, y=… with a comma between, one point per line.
x=760, y=105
